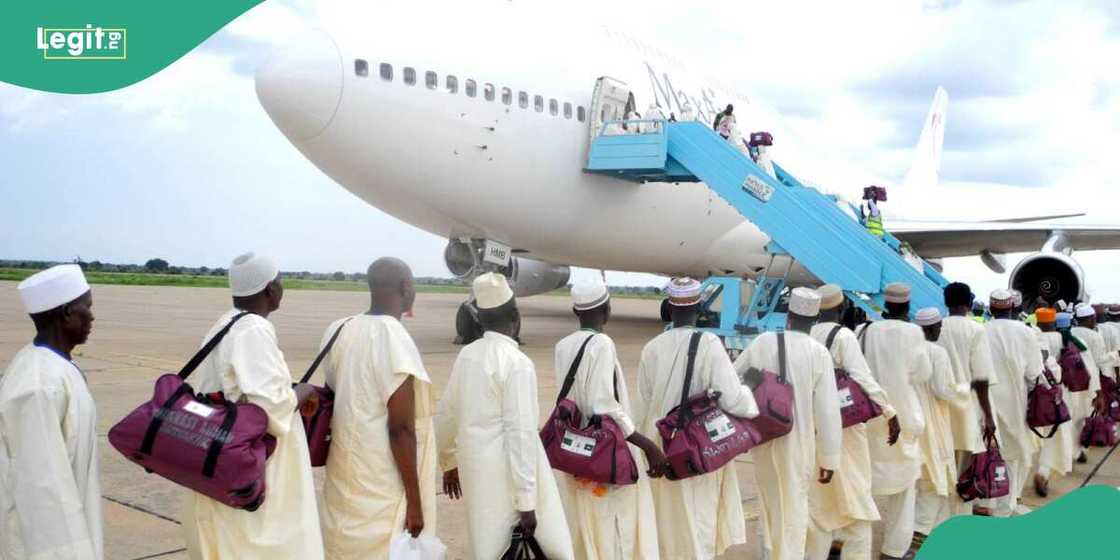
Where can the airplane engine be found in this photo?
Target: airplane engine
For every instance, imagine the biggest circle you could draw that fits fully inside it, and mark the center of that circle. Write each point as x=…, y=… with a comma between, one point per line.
x=527, y=277
x=1051, y=276
x=530, y=277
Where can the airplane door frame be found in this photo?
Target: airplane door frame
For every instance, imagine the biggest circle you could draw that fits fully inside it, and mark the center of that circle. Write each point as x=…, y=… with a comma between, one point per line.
x=608, y=102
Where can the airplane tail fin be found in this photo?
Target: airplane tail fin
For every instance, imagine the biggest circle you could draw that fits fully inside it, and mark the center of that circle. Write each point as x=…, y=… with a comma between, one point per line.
x=926, y=167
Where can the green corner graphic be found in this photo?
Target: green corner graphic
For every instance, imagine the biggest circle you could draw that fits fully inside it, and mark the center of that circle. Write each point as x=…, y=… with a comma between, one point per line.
x=71, y=46
x=1078, y=525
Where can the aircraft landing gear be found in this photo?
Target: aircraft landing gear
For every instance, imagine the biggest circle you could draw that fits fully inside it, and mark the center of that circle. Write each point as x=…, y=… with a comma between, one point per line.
x=468, y=329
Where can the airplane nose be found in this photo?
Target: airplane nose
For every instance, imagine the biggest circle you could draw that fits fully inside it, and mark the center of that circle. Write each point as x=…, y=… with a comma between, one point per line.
x=300, y=85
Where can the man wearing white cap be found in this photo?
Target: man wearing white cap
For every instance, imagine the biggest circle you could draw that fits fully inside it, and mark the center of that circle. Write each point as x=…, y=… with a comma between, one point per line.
x=845, y=509
x=1017, y=358
x=970, y=358
x=1085, y=329
x=939, y=466
x=786, y=468
x=701, y=516
x=895, y=352
x=607, y=522
x=247, y=366
x=486, y=430
x=381, y=472
x=50, y=495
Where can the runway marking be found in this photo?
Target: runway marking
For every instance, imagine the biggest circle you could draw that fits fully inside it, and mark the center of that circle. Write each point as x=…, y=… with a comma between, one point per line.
x=142, y=509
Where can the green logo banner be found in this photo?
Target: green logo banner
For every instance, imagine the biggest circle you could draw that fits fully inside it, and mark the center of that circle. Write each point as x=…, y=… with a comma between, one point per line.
x=72, y=46
x=1077, y=525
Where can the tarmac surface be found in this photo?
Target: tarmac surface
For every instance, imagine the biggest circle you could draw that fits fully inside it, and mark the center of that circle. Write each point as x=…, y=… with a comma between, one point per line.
x=142, y=332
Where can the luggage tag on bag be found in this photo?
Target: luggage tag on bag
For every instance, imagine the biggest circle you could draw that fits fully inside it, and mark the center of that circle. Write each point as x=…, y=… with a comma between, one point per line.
x=719, y=428
x=1001, y=474
x=198, y=409
x=580, y=445
x=846, y=399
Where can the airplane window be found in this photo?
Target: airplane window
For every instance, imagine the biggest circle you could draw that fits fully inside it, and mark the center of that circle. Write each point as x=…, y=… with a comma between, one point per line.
x=361, y=67
x=409, y=75
x=386, y=71
x=538, y=103
x=523, y=99
x=431, y=80
x=567, y=110
x=452, y=84
x=488, y=91
x=471, y=88
x=507, y=96
x=553, y=107
x=581, y=113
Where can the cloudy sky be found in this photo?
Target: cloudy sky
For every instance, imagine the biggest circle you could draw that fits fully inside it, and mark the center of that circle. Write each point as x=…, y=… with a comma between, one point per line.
x=188, y=167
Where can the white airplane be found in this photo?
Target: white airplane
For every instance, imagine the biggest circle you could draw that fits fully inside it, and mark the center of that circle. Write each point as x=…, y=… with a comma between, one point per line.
x=484, y=140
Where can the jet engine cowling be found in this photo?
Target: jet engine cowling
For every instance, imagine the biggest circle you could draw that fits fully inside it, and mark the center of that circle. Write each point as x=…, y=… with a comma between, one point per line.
x=1049, y=276
x=527, y=277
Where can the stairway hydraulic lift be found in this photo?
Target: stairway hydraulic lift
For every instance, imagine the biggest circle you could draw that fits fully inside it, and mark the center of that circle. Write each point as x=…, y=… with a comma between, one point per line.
x=803, y=224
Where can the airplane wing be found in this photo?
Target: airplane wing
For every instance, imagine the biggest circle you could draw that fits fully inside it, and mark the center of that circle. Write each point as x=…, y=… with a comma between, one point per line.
x=961, y=239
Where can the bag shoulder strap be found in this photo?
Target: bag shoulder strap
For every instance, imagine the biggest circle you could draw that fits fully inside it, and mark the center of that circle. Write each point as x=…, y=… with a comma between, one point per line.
x=863, y=338
x=690, y=365
x=832, y=337
x=323, y=353
x=210, y=345
x=782, y=358
x=571, y=377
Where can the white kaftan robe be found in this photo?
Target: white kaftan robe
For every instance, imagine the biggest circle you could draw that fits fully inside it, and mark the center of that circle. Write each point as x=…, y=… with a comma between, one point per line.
x=787, y=467
x=939, y=467
x=702, y=516
x=895, y=351
x=620, y=524
x=486, y=426
x=1081, y=402
x=50, y=495
x=970, y=359
x=1017, y=358
x=1111, y=334
x=847, y=501
x=364, y=502
x=248, y=366
x=1058, y=451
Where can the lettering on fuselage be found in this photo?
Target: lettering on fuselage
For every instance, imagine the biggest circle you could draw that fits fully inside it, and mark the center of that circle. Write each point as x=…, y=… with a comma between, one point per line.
x=671, y=99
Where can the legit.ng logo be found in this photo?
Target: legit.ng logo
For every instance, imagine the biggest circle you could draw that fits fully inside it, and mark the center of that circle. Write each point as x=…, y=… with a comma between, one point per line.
x=88, y=43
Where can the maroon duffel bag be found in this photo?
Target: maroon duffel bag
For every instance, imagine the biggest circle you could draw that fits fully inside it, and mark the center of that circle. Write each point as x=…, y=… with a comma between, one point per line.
x=318, y=425
x=203, y=442
x=855, y=406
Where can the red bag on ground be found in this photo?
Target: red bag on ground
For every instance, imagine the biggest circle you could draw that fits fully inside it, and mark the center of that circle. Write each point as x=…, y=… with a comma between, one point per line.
x=1046, y=407
x=205, y=443
x=855, y=406
x=317, y=427
x=697, y=436
x=986, y=475
x=598, y=451
x=1075, y=375
x=1099, y=431
x=774, y=396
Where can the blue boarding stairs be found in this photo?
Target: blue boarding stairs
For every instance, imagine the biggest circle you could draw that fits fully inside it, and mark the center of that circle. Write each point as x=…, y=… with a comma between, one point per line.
x=803, y=224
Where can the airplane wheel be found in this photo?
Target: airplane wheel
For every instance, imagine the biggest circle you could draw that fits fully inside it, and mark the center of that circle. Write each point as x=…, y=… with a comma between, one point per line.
x=467, y=329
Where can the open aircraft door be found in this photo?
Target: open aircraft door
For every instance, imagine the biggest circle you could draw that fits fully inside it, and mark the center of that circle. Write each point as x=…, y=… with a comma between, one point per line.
x=609, y=102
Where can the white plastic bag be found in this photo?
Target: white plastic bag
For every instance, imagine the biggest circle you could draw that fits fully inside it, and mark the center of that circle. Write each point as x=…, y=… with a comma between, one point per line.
x=426, y=547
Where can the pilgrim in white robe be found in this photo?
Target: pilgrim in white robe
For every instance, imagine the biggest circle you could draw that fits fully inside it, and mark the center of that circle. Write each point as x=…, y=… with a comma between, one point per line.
x=1081, y=402
x=247, y=366
x=1102, y=366
x=845, y=509
x=1058, y=451
x=1111, y=334
x=701, y=516
x=970, y=359
x=486, y=426
x=364, y=502
x=786, y=468
x=606, y=521
x=939, y=465
x=50, y=495
x=895, y=352
x=1017, y=358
